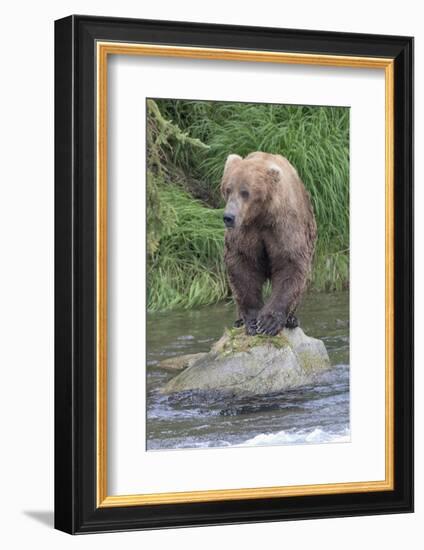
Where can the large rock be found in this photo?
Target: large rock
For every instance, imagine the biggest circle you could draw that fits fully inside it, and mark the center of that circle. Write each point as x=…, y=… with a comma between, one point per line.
x=243, y=365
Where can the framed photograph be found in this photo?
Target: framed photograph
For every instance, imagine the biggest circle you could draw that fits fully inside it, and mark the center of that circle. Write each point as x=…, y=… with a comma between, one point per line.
x=234, y=274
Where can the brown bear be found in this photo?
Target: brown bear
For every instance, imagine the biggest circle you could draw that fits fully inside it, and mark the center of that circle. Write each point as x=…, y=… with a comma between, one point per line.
x=270, y=235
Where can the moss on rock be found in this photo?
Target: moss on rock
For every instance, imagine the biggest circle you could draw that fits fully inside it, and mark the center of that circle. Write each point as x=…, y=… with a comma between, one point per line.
x=235, y=340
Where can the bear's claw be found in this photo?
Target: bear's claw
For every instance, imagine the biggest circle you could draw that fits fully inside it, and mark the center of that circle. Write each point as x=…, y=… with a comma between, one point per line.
x=292, y=321
x=270, y=323
x=251, y=327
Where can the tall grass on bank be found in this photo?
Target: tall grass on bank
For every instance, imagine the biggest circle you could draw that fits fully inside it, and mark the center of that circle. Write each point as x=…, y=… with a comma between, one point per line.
x=187, y=270
x=314, y=139
x=184, y=237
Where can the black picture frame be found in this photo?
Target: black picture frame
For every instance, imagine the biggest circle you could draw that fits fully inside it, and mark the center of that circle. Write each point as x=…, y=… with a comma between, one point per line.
x=76, y=508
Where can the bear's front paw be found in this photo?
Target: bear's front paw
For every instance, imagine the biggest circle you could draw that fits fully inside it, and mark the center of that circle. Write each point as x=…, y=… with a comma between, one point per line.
x=238, y=323
x=251, y=328
x=270, y=323
x=292, y=321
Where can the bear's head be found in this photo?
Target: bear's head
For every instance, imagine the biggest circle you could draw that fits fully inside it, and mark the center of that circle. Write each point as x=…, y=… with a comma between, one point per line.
x=247, y=186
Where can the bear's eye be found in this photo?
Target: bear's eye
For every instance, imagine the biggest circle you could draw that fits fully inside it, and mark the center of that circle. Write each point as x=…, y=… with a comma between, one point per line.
x=244, y=193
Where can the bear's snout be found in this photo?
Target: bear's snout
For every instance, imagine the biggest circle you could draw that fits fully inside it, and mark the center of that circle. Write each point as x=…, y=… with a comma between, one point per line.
x=229, y=220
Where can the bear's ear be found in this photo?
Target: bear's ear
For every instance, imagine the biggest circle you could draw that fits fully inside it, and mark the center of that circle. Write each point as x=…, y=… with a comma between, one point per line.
x=231, y=160
x=274, y=172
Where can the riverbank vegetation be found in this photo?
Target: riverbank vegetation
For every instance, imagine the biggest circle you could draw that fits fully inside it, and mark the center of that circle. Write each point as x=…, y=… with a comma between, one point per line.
x=187, y=144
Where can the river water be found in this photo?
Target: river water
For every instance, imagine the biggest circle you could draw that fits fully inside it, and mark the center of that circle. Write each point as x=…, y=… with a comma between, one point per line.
x=311, y=414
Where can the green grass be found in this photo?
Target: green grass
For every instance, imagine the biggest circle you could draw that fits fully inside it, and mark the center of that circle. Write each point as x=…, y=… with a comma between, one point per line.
x=187, y=269
x=191, y=140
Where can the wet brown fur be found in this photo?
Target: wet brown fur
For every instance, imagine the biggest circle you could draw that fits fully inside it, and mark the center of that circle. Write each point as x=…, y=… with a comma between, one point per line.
x=273, y=238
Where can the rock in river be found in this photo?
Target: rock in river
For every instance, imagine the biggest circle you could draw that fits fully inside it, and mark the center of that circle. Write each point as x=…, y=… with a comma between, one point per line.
x=253, y=365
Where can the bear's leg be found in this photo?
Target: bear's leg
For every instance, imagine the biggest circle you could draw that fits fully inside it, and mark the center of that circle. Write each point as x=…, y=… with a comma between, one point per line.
x=287, y=284
x=246, y=284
